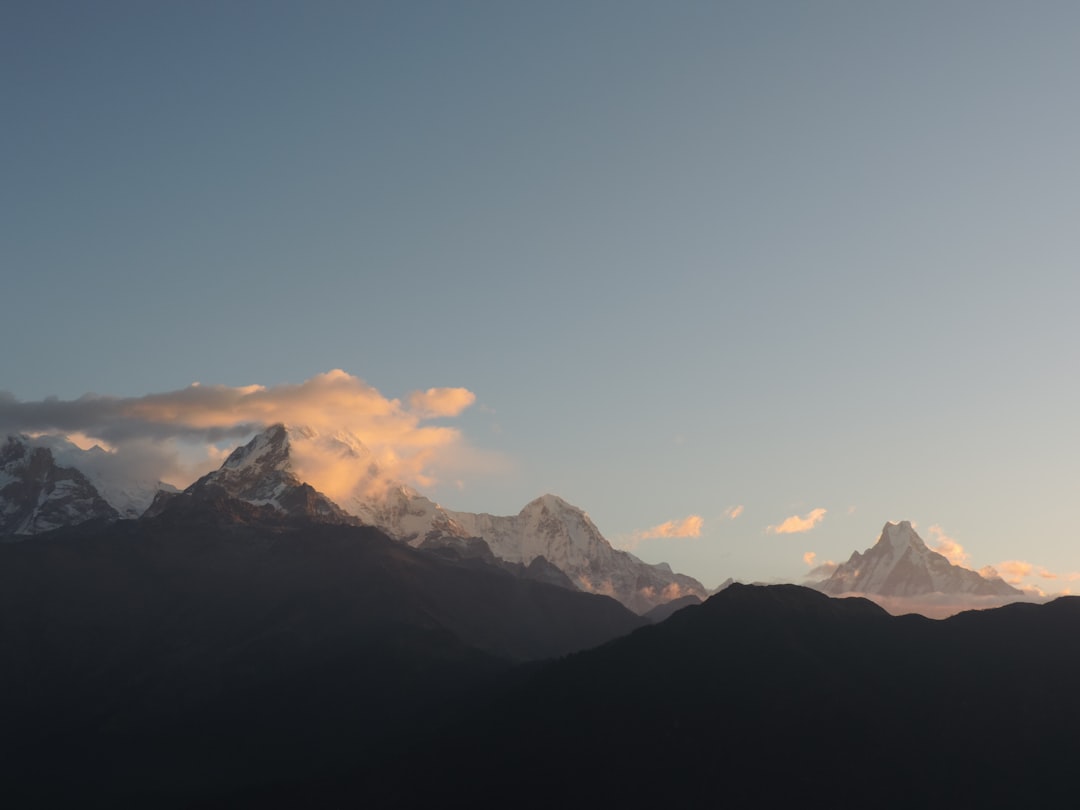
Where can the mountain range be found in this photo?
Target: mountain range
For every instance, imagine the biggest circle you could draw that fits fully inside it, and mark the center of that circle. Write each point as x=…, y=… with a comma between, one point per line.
x=251, y=642
x=46, y=483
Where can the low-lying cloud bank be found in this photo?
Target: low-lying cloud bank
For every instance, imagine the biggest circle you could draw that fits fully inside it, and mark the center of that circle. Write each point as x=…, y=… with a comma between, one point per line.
x=941, y=605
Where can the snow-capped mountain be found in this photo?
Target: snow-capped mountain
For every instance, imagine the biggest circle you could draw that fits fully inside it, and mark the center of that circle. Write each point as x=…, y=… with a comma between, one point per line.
x=563, y=534
x=37, y=494
x=47, y=482
x=900, y=564
x=272, y=465
x=262, y=472
x=128, y=492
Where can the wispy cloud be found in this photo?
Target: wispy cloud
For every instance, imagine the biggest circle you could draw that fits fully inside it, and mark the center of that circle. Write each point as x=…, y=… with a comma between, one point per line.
x=817, y=572
x=1032, y=579
x=947, y=546
x=733, y=512
x=1014, y=571
x=689, y=526
x=796, y=524
x=437, y=402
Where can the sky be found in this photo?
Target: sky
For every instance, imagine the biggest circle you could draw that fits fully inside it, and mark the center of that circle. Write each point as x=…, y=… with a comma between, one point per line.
x=743, y=280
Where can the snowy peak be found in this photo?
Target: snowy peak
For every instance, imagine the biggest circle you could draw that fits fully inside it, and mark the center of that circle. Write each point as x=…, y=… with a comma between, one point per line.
x=267, y=452
x=37, y=494
x=261, y=472
x=901, y=536
x=901, y=564
x=564, y=535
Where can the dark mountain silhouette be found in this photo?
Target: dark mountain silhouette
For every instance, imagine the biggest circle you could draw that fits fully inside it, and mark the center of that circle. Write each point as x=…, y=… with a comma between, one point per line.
x=664, y=611
x=221, y=645
x=229, y=654
x=778, y=693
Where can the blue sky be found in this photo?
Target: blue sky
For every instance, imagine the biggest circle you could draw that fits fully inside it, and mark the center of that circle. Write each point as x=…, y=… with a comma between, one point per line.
x=687, y=256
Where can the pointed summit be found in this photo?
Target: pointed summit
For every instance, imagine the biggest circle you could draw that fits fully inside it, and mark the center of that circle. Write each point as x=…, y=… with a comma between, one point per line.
x=262, y=473
x=900, y=535
x=901, y=564
x=332, y=476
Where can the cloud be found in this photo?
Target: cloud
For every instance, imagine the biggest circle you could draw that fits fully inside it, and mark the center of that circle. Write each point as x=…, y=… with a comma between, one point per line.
x=1019, y=573
x=732, y=512
x=689, y=526
x=670, y=592
x=823, y=571
x=437, y=402
x=947, y=546
x=1014, y=571
x=796, y=524
x=819, y=572
x=189, y=427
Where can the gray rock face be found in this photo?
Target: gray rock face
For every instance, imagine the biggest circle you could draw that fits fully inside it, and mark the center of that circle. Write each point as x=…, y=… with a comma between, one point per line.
x=38, y=495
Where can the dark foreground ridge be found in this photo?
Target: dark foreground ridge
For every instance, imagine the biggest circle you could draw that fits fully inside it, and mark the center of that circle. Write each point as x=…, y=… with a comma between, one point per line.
x=775, y=693
x=212, y=649
x=225, y=657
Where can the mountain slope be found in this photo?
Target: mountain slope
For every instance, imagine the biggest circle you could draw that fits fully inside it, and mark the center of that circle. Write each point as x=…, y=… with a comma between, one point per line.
x=270, y=468
x=770, y=694
x=222, y=643
x=900, y=564
x=37, y=494
x=262, y=473
x=550, y=527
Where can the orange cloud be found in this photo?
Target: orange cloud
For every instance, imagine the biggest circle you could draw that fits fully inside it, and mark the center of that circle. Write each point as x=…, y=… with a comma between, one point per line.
x=1014, y=571
x=440, y=402
x=733, y=512
x=947, y=546
x=809, y=558
x=393, y=434
x=689, y=526
x=796, y=524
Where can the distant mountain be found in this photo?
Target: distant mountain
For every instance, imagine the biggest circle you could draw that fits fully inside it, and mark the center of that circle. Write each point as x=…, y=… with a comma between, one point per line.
x=37, y=494
x=900, y=564
x=266, y=470
x=46, y=482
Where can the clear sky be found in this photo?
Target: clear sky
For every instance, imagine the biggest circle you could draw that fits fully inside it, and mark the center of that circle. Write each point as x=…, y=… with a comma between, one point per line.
x=687, y=256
